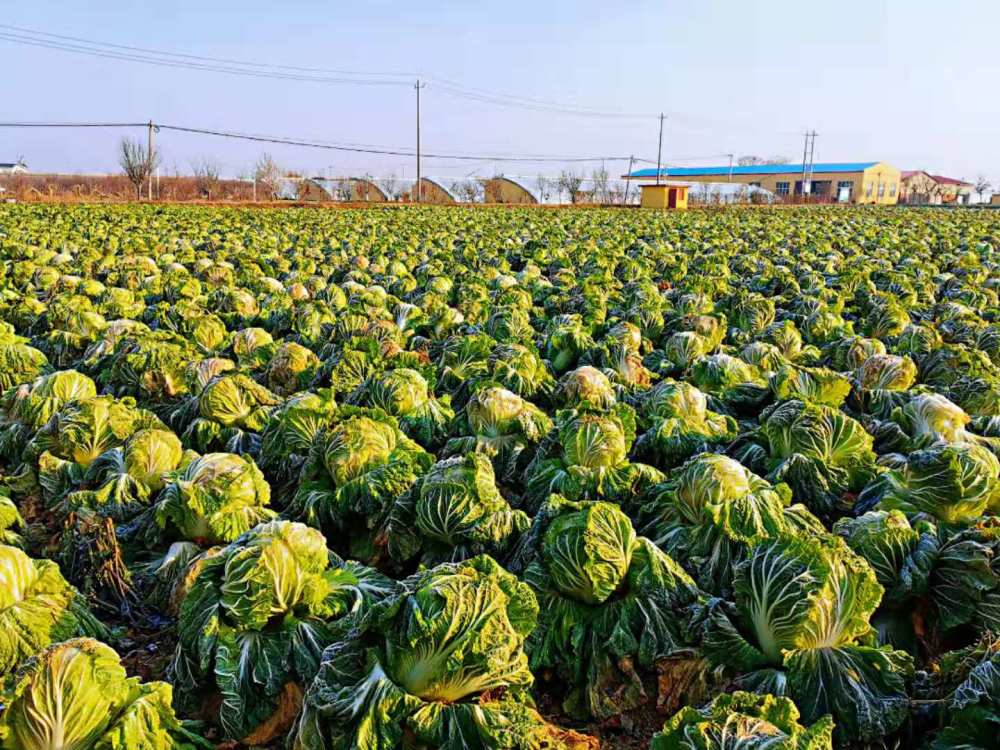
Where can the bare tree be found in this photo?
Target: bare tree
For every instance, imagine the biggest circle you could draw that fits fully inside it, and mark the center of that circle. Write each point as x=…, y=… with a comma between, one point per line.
x=544, y=186
x=342, y=189
x=616, y=193
x=391, y=186
x=137, y=163
x=206, y=176
x=267, y=174
x=600, y=180
x=569, y=183
x=468, y=191
x=982, y=185
x=923, y=189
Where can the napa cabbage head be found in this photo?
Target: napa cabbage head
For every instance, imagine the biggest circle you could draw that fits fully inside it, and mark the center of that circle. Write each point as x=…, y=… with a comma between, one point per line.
x=586, y=388
x=587, y=552
x=37, y=608
x=595, y=441
x=150, y=455
x=76, y=695
x=804, y=593
x=800, y=623
x=461, y=632
x=291, y=369
x=264, y=604
x=20, y=363
x=612, y=605
x=750, y=721
x=953, y=482
x=215, y=498
x=443, y=663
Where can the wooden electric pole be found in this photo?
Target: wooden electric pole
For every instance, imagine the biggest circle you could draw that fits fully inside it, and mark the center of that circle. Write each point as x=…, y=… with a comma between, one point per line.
x=628, y=179
x=418, y=86
x=149, y=160
x=659, y=151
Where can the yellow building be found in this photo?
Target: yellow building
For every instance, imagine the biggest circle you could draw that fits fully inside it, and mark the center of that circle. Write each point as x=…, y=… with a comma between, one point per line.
x=839, y=182
x=665, y=196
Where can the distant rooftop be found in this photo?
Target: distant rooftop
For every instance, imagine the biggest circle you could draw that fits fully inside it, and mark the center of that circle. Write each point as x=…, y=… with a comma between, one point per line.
x=940, y=179
x=949, y=180
x=761, y=169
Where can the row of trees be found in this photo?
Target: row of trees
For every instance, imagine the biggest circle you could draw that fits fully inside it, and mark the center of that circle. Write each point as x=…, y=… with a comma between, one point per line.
x=139, y=164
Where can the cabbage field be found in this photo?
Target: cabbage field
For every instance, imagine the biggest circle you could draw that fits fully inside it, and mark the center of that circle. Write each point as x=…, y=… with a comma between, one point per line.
x=452, y=478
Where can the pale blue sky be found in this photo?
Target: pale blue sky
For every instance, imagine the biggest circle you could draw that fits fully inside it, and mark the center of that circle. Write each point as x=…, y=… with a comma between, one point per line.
x=913, y=83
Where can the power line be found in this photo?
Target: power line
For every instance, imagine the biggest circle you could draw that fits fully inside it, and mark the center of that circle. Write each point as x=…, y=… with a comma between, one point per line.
x=171, y=63
x=387, y=152
x=331, y=76
x=539, y=105
x=306, y=143
x=73, y=124
x=202, y=58
x=129, y=53
x=358, y=147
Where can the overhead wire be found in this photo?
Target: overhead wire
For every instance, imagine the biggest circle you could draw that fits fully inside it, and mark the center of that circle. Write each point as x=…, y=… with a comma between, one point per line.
x=307, y=143
x=170, y=63
x=146, y=55
x=335, y=76
x=229, y=61
x=74, y=124
x=130, y=53
x=387, y=152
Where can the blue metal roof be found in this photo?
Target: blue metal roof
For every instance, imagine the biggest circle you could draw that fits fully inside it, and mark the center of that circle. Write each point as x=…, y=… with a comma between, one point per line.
x=762, y=169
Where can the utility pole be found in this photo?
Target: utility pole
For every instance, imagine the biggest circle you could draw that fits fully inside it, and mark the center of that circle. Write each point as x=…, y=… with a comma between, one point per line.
x=150, y=151
x=418, y=86
x=628, y=179
x=659, y=151
x=808, y=151
x=731, y=167
x=812, y=151
x=805, y=150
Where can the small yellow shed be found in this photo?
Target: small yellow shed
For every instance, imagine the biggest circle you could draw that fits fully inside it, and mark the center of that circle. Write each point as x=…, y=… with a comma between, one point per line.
x=668, y=196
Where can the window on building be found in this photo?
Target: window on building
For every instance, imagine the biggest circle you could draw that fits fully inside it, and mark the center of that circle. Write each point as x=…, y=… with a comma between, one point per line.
x=868, y=190
x=781, y=188
x=892, y=190
x=881, y=190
